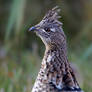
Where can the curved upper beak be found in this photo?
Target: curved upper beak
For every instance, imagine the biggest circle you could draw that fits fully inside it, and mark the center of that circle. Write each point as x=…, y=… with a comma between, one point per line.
x=32, y=29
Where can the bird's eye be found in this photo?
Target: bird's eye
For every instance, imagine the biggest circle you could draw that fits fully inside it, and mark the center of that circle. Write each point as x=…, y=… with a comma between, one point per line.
x=47, y=29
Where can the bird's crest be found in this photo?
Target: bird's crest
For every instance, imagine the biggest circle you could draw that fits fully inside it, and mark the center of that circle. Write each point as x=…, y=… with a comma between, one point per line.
x=52, y=16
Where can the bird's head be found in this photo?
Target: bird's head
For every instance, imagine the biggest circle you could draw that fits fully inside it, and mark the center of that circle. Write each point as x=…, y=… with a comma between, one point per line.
x=50, y=29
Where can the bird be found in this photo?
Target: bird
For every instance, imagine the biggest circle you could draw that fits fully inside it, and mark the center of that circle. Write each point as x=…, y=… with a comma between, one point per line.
x=56, y=74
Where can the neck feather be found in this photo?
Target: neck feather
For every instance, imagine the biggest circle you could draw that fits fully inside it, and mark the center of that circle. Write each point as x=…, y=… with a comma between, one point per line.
x=56, y=67
x=55, y=58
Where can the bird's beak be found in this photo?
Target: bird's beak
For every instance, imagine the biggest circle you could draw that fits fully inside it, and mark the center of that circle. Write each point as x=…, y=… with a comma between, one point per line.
x=32, y=29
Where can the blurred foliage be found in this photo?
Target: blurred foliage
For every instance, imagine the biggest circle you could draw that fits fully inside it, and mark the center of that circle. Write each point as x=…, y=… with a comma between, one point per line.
x=21, y=51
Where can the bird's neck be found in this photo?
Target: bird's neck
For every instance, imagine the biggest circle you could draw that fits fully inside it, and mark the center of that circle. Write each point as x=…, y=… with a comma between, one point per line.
x=55, y=67
x=55, y=58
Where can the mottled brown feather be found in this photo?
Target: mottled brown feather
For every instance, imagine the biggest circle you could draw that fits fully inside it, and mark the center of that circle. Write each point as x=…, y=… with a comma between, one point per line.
x=55, y=74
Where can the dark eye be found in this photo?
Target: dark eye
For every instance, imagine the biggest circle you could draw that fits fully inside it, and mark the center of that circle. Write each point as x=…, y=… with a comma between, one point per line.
x=47, y=29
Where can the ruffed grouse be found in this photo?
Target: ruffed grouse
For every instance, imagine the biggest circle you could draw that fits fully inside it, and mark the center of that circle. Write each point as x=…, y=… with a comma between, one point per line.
x=55, y=74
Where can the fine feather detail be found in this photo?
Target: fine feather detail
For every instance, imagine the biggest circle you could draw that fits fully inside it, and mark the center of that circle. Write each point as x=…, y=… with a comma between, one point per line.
x=52, y=16
x=55, y=74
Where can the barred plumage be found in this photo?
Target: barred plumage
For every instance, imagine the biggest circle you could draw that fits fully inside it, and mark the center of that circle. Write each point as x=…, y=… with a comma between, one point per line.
x=55, y=74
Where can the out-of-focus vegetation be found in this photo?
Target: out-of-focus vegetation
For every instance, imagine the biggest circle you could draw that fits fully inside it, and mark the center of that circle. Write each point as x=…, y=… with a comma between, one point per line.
x=21, y=51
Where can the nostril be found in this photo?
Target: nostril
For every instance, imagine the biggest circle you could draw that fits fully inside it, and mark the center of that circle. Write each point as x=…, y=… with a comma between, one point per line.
x=32, y=29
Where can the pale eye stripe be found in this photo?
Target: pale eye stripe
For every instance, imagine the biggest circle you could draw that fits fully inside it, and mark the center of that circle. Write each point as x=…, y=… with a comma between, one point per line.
x=44, y=30
x=52, y=29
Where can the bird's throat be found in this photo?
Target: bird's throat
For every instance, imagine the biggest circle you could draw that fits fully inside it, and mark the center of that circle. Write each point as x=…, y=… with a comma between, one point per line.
x=54, y=60
x=55, y=67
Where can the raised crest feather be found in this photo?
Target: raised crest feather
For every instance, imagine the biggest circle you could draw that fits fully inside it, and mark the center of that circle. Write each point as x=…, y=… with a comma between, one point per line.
x=52, y=15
